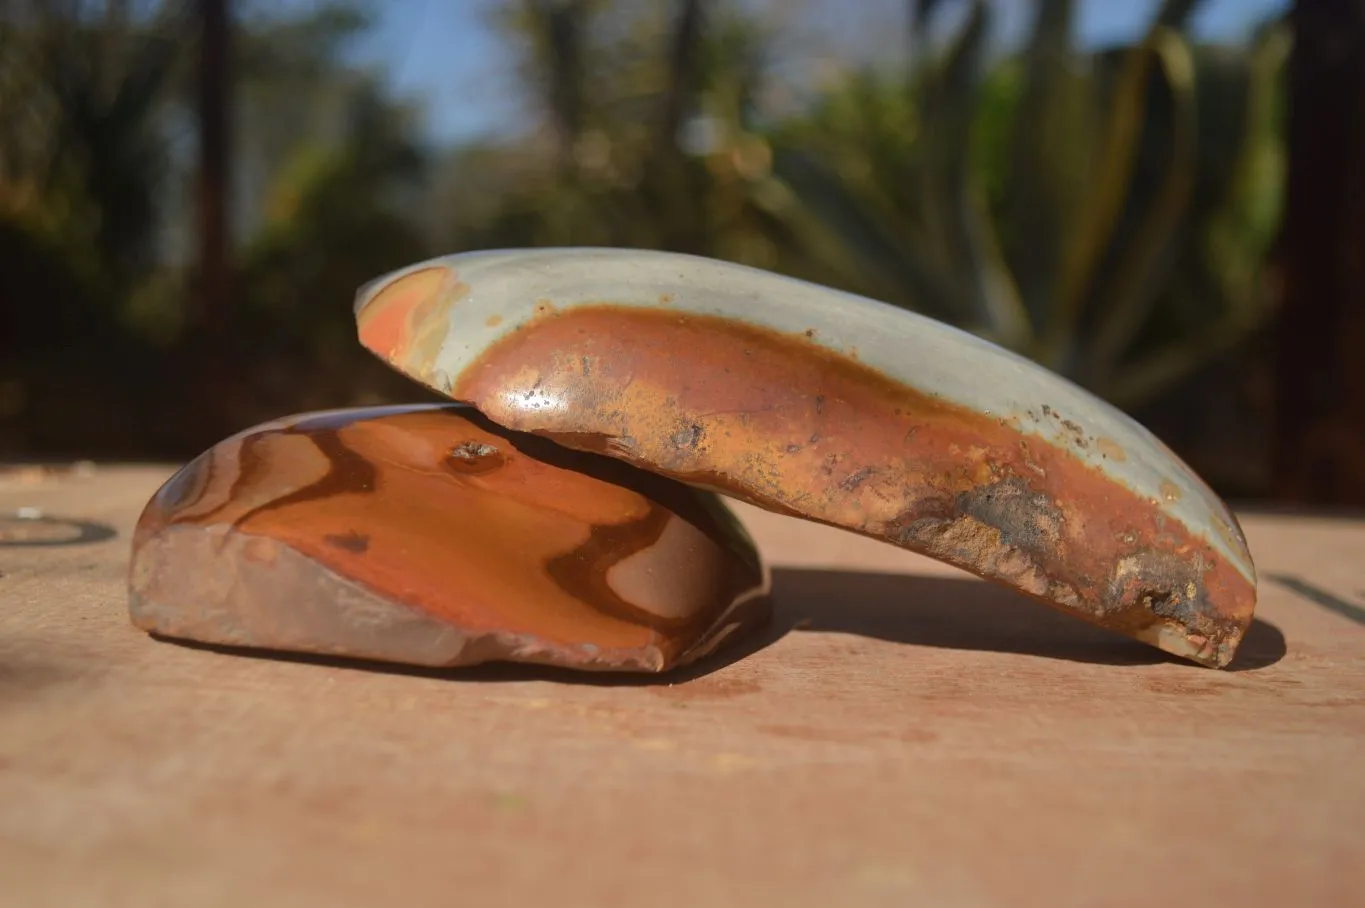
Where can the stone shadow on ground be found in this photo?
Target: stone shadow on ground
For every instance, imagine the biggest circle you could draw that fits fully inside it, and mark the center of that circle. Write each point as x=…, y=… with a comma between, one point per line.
x=944, y=612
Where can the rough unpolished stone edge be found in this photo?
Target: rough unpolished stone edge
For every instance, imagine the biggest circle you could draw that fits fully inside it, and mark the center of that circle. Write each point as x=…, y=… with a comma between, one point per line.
x=235, y=596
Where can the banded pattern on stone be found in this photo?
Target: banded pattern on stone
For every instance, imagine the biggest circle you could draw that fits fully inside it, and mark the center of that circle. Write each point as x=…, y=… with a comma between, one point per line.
x=426, y=534
x=827, y=406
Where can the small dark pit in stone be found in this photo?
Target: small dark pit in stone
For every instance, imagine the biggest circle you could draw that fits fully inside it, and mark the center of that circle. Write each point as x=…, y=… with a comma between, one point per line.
x=688, y=436
x=474, y=457
x=472, y=450
x=352, y=541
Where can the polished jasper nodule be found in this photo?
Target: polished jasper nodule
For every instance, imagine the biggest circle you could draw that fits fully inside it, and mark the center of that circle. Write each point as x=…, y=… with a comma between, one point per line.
x=428, y=535
x=839, y=409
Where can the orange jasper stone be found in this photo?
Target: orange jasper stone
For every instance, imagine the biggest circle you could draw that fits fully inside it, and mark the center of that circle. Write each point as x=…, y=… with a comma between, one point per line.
x=428, y=535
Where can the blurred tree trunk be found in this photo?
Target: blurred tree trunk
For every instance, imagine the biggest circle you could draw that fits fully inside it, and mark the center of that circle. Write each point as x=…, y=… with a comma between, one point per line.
x=561, y=25
x=215, y=144
x=209, y=404
x=684, y=47
x=1319, y=446
x=682, y=189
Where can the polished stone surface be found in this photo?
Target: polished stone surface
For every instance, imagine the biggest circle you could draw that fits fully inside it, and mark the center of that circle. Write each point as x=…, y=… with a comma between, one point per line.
x=426, y=534
x=815, y=403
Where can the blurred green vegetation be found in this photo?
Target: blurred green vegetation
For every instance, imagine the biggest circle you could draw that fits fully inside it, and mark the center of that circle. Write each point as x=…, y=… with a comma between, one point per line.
x=1110, y=214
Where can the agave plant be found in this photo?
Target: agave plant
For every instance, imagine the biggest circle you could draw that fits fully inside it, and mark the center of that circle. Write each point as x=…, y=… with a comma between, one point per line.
x=1106, y=216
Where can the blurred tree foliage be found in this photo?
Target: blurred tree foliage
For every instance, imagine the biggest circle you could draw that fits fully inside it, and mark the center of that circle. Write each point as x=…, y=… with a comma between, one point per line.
x=1109, y=214
x=84, y=160
x=95, y=168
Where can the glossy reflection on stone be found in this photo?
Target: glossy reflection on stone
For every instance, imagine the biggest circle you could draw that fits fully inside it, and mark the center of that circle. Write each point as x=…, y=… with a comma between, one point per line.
x=428, y=535
x=838, y=409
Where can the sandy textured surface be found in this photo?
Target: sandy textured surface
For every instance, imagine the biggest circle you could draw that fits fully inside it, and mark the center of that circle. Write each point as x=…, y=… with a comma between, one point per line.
x=904, y=735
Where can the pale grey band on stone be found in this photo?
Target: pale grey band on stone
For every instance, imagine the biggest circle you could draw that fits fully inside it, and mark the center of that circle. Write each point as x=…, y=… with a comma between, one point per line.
x=925, y=355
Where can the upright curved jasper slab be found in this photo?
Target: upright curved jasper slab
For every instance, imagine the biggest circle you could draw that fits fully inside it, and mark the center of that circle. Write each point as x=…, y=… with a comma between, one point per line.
x=427, y=535
x=835, y=408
